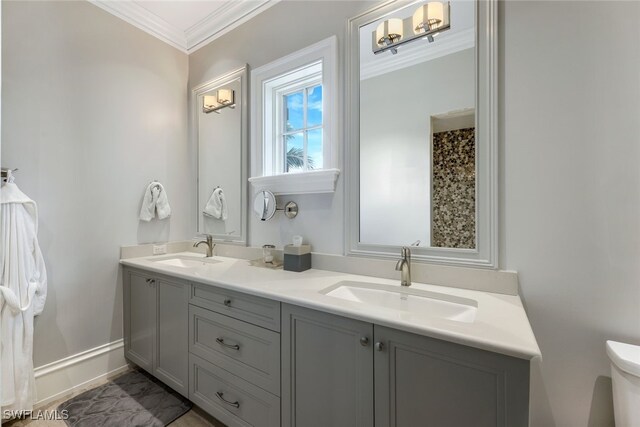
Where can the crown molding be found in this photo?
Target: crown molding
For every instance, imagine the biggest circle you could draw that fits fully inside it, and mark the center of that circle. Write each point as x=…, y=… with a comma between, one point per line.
x=223, y=20
x=148, y=22
x=387, y=63
x=218, y=23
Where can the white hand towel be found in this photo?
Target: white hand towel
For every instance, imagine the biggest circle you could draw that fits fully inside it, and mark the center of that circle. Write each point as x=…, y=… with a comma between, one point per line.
x=162, y=205
x=217, y=205
x=148, y=209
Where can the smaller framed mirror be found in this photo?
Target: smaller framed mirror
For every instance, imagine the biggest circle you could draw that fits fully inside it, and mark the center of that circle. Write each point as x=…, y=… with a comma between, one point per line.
x=219, y=112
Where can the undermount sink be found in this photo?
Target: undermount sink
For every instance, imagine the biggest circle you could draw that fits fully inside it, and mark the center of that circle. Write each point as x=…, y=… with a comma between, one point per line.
x=414, y=301
x=195, y=265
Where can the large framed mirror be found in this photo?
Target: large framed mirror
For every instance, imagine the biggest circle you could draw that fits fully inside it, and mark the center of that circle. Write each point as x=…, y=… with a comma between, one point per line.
x=219, y=112
x=422, y=149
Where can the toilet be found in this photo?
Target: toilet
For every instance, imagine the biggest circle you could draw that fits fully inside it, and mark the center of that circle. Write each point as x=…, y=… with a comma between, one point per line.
x=625, y=376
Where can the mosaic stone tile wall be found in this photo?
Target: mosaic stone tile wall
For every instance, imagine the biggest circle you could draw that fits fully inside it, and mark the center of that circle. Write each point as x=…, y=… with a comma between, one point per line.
x=454, y=189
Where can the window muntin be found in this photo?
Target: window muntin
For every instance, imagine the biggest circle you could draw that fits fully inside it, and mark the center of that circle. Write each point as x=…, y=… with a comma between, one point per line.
x=301, y=128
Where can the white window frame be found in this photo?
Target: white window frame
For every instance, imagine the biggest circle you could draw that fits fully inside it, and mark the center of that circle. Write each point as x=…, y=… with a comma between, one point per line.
x=272, y=80
x=279, y=145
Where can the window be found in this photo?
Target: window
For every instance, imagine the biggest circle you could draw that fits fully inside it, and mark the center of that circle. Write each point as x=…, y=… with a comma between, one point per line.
x=294, y=122
x=300, y=129
x=294, y=109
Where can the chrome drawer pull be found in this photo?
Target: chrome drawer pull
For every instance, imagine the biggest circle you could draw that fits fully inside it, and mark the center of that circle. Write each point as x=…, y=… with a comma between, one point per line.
x=235, y=404
x=224, y=344
x=227, y=302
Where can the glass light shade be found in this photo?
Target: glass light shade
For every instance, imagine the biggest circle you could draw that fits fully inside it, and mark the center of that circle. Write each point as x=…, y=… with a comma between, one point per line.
x=389, y=31
x=225, y=96
x=430, y=16
x=209, y=102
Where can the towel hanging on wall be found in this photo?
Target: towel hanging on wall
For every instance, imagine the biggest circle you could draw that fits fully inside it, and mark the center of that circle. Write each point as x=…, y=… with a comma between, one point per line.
x=217, y=205
x=155, y=199
x=23, y=291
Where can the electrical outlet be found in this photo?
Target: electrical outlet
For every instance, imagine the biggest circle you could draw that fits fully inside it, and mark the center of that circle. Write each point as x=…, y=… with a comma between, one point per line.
x=159, y=249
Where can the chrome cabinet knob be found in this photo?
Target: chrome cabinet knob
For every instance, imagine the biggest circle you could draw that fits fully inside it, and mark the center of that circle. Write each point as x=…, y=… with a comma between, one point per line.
x=364, y=341
x=379, y=346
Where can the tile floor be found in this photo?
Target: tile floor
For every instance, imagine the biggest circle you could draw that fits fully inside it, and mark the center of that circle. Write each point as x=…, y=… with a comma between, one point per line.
x=194, y=418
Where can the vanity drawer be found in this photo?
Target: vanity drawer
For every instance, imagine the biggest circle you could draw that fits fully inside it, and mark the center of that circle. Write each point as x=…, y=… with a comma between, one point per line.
x=245, y=350
x=230, y=399
x=255, y=310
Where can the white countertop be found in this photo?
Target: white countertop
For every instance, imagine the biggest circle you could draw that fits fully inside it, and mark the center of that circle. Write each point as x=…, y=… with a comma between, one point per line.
x=501, y=324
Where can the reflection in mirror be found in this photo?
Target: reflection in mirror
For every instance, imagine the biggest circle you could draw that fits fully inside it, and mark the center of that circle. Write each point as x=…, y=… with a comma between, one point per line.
x=417, y=128
x=220, y=111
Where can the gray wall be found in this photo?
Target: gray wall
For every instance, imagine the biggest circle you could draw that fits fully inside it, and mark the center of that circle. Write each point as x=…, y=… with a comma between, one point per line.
x=570, y=193
x=93, y=109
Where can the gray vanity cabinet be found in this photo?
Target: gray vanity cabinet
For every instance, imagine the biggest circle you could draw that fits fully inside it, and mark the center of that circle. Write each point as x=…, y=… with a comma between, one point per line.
x=330, y=365
x=172, y=361
x=139, y=319
x=327, y=377
x=422, y=381
x=234, y=356
x=252, y=361
x=156, y=324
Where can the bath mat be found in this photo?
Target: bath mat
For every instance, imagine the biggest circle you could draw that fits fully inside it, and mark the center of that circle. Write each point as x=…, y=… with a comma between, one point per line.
x=134, y=399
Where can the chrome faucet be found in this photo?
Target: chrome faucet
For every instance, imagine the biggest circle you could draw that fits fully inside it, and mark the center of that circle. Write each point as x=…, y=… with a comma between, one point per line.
x=209, y=243
x=404, y=266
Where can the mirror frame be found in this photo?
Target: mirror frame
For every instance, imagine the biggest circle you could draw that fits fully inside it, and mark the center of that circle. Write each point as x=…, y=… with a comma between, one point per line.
x=242, y=74
x=485, y=255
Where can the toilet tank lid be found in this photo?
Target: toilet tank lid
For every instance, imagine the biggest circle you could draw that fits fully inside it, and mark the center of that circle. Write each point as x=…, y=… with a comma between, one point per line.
x=625, y=356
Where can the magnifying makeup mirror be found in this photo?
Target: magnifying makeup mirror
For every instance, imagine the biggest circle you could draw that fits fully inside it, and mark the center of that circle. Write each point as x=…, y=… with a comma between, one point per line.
x=264, y=205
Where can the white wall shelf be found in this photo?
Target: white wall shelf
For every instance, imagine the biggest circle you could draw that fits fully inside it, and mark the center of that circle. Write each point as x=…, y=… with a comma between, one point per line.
x=309, y=182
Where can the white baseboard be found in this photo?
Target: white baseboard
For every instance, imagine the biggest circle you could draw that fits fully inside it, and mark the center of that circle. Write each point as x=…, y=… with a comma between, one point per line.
x=62, y=377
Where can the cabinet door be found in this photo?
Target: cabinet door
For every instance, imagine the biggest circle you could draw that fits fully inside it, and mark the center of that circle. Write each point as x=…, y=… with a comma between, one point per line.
x=422, y=381
x=139, y=319
x=172, y=361
x=327, y=364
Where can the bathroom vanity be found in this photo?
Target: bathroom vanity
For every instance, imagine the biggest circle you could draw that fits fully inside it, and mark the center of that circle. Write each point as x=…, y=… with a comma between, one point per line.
x=253, y=346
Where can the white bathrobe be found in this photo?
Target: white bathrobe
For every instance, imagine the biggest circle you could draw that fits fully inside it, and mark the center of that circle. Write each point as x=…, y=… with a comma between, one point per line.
x=23, y=290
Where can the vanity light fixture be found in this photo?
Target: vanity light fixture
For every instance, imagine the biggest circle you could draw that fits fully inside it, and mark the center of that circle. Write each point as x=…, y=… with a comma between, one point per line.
x=214, y=103
x=388, y=33
x=427, y=21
